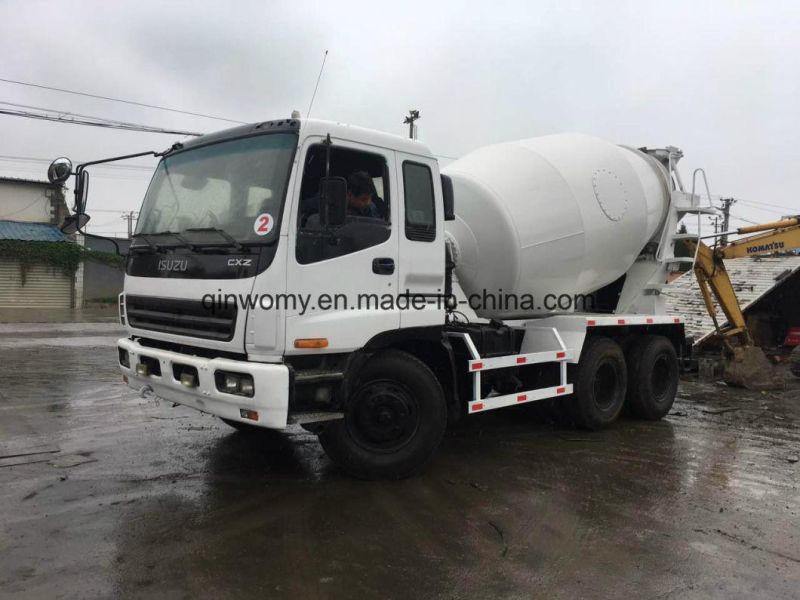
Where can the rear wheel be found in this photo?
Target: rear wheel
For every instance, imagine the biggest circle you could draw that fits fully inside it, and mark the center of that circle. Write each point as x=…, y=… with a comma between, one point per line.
x=599, y=384
x=393, y=421
x=652, y=377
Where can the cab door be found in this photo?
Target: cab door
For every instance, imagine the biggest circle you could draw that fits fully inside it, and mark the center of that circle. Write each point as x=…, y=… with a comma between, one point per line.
x=421, y=239
x=346, y=276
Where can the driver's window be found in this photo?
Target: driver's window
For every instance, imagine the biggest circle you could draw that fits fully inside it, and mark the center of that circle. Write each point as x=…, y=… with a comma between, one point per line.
x=368, y=220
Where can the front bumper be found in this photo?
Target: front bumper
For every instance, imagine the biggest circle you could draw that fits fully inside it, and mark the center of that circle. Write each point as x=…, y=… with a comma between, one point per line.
x=271, y=385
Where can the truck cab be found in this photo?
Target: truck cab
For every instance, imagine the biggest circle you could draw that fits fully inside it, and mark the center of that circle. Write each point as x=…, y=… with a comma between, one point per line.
x=240, y=301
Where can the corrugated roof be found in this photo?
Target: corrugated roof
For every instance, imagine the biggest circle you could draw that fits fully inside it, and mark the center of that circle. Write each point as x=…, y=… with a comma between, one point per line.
x=751, y=277
x=32, y=232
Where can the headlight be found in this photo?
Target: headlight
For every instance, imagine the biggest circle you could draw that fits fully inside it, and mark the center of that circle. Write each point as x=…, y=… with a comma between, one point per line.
x=239, y=384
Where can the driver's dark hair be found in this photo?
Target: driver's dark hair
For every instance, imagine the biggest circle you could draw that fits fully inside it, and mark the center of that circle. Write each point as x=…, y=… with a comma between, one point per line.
x=359, y=183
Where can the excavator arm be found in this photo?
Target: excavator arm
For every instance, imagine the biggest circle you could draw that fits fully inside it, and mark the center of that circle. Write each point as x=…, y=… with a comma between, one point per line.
x=749, y=367
x=715, y=285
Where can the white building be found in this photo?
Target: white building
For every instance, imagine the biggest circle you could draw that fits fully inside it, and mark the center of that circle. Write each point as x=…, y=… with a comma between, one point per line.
x=30, y=212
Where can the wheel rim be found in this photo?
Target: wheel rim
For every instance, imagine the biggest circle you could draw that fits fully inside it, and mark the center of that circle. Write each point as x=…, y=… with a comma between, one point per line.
x=383, y=416
x=604, y=386
x=661, y=378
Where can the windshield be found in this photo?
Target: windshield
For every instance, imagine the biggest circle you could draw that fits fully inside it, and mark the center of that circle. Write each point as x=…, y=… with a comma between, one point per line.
x=235, y=187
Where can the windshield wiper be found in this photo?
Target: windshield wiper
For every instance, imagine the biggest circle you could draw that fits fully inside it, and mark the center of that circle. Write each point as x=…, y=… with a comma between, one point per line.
x=220, y=232
x=157, y=247
x=143, y=237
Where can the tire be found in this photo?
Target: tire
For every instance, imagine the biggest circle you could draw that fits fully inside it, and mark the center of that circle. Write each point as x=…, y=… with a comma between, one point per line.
x=599, y=385
x=394, y=419
x=652, y=377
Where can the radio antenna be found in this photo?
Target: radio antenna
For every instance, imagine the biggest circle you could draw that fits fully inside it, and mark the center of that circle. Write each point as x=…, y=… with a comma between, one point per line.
x=314, y=95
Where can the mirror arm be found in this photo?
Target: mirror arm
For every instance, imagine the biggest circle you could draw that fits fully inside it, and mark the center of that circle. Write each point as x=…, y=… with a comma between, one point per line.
x=82, y=166
x=102, y=237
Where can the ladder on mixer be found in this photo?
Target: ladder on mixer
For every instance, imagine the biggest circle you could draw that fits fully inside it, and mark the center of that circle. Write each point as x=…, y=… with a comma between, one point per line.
x=683, y=203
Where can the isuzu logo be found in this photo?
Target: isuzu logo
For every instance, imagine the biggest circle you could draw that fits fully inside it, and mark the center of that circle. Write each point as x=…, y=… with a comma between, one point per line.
x=240, y=262
x=172, y=265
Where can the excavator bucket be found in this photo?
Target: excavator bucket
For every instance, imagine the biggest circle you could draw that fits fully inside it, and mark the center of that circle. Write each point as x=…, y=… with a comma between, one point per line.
x=750, y=368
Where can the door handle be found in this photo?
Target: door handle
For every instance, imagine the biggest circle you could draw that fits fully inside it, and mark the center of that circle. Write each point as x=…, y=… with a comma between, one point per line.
x=383, y=266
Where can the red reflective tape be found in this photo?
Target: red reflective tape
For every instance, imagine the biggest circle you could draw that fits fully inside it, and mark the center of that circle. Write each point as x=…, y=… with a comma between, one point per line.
x=561, y=354
x=522, y=397
x=561, y=390
x=649, y=321
x=476, y=366
x=521, y=360
x=591, y=322
x=620, y=321
x=477, y=407
x=677, y=320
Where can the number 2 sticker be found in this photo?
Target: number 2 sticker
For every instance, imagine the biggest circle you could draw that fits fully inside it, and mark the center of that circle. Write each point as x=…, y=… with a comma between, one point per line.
x=263, y=224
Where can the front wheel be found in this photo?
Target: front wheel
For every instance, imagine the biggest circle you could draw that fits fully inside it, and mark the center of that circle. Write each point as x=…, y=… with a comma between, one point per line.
x=393, y=421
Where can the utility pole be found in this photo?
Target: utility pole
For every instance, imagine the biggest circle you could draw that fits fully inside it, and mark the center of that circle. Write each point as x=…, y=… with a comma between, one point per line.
x=726, y=217
x=129, y=217
x=413, y=115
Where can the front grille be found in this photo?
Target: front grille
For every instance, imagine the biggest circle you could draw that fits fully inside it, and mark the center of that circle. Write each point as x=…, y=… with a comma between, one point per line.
x=181, y=317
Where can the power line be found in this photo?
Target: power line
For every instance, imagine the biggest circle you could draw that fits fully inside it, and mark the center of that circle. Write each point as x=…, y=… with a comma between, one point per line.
x=94, y=122
x=754, y=202
x=743, y=219
x=109, y=98
x=8, y=157
x=64, y=113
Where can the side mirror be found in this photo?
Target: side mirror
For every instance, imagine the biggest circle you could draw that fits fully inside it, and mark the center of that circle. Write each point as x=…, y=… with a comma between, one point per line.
x=81, y=191
x=59, y=170
x=449, y=199
x=73, y=223
x=332, y=201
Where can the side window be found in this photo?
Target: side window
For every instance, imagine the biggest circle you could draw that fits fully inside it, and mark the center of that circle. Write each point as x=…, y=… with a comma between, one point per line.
x=419, y=201
x=368, y=218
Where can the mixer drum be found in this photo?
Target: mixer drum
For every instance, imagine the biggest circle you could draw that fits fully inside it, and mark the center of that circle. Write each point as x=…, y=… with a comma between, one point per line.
x=559, y=215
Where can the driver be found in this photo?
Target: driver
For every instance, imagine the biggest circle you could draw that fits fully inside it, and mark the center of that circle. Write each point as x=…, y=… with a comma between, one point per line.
x=360, y=192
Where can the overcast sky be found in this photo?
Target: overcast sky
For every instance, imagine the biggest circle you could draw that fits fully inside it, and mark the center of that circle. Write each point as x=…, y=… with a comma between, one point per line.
x=721, y=80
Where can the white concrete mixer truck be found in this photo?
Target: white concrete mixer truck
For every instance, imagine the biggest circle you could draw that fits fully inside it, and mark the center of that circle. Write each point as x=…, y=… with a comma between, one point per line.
x=313, y=273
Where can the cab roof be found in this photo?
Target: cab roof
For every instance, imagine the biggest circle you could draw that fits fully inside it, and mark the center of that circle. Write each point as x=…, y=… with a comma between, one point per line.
x=315, y=127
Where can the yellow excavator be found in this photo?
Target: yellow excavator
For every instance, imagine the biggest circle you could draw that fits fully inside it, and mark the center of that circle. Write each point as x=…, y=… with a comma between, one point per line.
x=746, y=364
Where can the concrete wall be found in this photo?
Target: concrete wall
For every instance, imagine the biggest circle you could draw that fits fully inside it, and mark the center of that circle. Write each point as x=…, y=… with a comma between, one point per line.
x=102, y=281
x=31, y=202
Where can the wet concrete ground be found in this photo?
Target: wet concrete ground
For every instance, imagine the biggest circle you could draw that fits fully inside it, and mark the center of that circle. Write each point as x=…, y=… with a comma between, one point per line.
x=104, y=494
